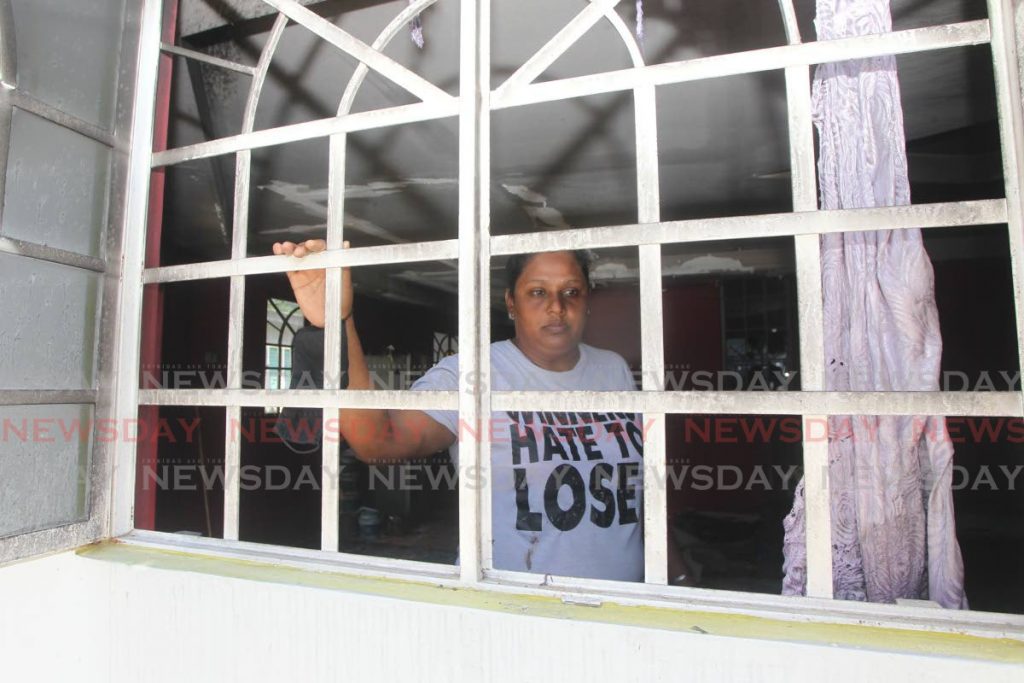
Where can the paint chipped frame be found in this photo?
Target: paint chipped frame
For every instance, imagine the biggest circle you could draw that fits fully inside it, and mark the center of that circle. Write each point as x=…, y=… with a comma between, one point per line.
x=475, y=246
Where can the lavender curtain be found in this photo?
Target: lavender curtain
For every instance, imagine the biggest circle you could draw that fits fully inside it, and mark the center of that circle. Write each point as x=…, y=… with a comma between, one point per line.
x=893, y=533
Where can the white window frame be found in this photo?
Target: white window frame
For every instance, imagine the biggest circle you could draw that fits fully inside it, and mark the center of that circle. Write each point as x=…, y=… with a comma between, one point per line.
x=474, y=248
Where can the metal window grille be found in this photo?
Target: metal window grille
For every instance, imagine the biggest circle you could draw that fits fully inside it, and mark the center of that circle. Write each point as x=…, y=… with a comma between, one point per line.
x=475, y=246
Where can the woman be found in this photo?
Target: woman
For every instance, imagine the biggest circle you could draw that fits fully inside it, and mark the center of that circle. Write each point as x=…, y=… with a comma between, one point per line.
x=566, y=493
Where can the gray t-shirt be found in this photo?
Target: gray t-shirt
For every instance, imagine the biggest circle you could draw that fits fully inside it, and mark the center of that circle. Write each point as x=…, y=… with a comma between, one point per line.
x=567, y=490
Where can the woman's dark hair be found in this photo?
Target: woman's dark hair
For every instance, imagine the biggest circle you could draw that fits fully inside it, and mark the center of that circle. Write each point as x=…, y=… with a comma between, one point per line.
x=517, y=262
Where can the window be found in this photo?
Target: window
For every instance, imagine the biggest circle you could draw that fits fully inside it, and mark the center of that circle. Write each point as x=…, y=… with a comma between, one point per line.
x=447, y=227
x=284, y=319
x=60, y=245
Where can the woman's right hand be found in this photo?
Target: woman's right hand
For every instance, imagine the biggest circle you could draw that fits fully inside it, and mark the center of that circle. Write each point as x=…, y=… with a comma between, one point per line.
x=309, y=286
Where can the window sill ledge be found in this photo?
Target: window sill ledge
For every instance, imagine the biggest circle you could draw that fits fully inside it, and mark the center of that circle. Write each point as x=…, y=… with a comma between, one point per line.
x=443, y=588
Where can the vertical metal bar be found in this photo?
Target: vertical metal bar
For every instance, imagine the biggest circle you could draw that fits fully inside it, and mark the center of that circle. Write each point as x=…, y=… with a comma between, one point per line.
x=8, y=47
x=8, y=81
x=236, y=308
x=651, y=329
x=331, y=466
x=1007, y=70
x=129, y=312
x=789, y=21
x=811, y=318
x=232, y=469
x=330, y=497
x=236, y=305
x=330, y=492
x=236, y=321
x=474, y=268
x=6, y=121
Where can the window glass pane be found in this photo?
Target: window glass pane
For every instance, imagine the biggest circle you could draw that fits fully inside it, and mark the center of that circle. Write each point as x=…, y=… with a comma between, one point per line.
x=271, y=315
x=49, y=314
x=912, y=495
x=181, y=470
x=730, y=312
x=402, y=183
x=988, y=497
x=949, y=119
x=284, y=318
x=606, y=317
x=690, y=29
x=568, y=487
x=565, y=164
x=718, y=157
x=196, y=224
x=72, y=215
x=406, y=511
x=44, y=466
x=208, y=100
x=967, y=269
x=730, y=483
x=68, y=54
x=519, y=29
x=192, y=334
x=974, y=295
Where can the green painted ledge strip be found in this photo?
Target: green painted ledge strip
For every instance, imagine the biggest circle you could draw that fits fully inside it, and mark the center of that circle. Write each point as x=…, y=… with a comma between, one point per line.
x=729, y=625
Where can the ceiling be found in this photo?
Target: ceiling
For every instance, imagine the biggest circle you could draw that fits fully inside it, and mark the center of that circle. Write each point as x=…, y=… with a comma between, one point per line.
x=723, y=143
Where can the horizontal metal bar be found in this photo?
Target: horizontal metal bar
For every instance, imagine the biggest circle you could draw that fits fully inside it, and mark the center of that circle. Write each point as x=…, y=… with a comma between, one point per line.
x=207, y=59
x=321, y=128
x=951, y=214
x=914, y=40
x=43, y=397
x=302, y=398
x=26, y=102
x=752, y=61
x=335, y=258
x=41, y=252
x=953, y=403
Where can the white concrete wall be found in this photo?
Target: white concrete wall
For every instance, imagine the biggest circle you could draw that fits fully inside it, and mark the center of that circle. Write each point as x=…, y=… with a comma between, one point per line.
x=69, y=617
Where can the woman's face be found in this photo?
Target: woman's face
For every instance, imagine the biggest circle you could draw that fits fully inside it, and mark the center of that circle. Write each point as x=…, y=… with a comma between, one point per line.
x=549, y=307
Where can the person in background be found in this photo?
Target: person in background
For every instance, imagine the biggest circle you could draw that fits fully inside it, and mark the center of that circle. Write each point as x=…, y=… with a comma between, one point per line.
x=567, y=487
